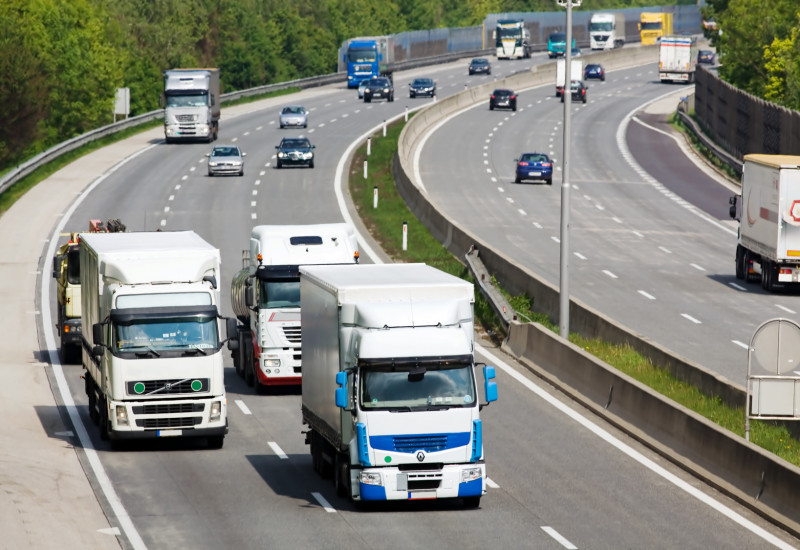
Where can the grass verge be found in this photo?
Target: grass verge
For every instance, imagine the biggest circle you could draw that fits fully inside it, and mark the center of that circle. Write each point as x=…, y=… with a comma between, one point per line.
x=385, y=224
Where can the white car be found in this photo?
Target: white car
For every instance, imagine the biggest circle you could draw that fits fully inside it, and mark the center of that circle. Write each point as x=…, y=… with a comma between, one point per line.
x=294, y=115
x=226, y=159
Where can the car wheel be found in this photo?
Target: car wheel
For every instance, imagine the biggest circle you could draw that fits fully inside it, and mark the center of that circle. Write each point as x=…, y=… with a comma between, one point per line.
x=210, y=175
x=241, y=173
x=278, y=164
x=491, y=106
x=470, y=74
x=391, y=98
x=311, y=164
x=549, y=181
x=282, y=126
x=584, y=99
x=562, y=98
x=603, y=78
x=488, y=72
x=411, y=96
x=514, y=107
x=367, y=100
x=517, y=180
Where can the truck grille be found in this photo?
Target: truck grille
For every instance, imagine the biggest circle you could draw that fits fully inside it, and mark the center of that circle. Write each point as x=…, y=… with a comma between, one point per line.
x=185, y=118
x=292, y=334
x=144, y=388
x=162, y=423
x=425, y=442
x=174, y=408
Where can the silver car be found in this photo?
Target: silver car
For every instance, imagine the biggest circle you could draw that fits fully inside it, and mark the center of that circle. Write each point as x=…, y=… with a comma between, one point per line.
x=226, y=159
x=361, y=87
x=295, y=116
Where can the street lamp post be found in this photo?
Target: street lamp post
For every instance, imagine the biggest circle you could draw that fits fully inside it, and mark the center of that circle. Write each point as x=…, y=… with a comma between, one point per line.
x=563, y=313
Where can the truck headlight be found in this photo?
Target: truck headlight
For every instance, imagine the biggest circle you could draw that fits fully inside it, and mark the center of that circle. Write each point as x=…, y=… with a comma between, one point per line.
x=370, y=478
x=216, y=411
x=122, y=415
x=272, y=363
x=470, y=474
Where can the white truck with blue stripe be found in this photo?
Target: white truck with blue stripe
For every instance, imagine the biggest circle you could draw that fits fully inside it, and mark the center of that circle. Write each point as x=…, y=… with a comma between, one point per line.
x=390, y=392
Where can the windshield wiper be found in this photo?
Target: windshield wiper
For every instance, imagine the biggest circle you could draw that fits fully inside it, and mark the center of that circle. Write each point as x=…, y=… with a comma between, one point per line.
x=150, y=350
x=195, y=347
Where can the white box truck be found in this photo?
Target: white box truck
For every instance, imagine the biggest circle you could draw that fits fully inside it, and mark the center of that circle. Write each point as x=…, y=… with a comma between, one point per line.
x=677, y=59
x=575, y=74
x=152, y=350
x=265, y=295
x=768, y=248
x=607, y=31
x=390, y=393
x=191, y=104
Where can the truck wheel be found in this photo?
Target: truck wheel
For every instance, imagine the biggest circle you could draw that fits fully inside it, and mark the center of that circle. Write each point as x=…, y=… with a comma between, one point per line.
x=316, y=454
x=341, y=475
x=103, y=420
x=90, y=393
x=472, y=502
x=216, y=442
x=740, y=269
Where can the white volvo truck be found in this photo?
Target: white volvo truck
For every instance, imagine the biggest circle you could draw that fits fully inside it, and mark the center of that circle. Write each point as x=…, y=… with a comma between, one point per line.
x=390, y=392
x=152, y=349
x=265, y=295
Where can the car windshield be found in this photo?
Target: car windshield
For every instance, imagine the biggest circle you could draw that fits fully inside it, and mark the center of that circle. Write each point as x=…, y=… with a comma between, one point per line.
x=423, y=82
x=293, y=110
x=417, y=387
x=225, y=152
x=295, y=143
x=480, y=62
x=379, y=82
x=534, y=157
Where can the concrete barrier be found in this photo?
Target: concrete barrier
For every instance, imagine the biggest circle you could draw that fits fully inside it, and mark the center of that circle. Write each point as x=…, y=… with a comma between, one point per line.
x=754, y=477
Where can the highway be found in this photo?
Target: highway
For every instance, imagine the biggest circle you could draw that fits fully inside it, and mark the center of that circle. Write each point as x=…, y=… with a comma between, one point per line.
x=558, y=480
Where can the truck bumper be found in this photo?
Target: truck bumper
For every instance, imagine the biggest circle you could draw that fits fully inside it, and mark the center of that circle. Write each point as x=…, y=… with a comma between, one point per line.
x=452, y=481
x=279, y=369
x=184, y=131
x=72, y=332
x=168, y=418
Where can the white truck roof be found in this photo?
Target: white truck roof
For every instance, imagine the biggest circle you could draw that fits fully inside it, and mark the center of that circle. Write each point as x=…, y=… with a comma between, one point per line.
x=386, y=283
x=328, y=243
x=153, y=256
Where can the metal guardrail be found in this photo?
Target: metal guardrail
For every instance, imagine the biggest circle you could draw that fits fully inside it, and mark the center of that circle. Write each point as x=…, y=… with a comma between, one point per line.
x=726, y=158
x=33, y=164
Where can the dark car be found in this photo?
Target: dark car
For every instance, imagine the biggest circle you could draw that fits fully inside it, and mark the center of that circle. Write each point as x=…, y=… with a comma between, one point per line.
x=578, y=89
x=534, y=166
x=705, y=56
x=295, y=152
x=479, y=65
x=379, y=87
x=503, y=99
x=422, y=87
x=594, y=70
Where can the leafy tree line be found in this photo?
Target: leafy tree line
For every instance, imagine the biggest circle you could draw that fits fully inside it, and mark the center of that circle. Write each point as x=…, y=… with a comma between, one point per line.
x=64, y=59
x=759, y=47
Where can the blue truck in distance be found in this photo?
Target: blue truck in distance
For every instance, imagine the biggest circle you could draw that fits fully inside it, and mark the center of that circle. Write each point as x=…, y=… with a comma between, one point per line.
x=365, y=58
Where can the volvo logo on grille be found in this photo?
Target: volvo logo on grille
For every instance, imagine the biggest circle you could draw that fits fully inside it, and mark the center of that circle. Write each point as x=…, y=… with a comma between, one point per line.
x=420, y=456
x=168, y=386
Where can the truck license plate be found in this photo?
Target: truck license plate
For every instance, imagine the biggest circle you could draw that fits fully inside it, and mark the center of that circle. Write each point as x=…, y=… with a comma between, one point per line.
x=169, y=433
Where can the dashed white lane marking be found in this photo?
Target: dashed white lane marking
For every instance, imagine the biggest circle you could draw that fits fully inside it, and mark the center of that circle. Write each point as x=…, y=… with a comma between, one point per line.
x=740, y=344
x=697, y=267
x=492, y=484
x=242, y=406
x=738, y=287
x=558, y=538
x=690, y=318
x=647, y=295
x=610, y=274
x=324, y=503
x=784, y=308
x=277, y=450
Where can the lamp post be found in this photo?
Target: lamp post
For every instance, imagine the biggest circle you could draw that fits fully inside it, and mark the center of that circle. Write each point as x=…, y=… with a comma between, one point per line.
x=563, y=300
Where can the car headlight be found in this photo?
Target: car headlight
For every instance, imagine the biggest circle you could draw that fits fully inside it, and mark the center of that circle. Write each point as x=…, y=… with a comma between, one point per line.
x=281, y=154
x=470, y=474
x=237, y=163
x=370, y=478
x=212, y=164
x=307, y=155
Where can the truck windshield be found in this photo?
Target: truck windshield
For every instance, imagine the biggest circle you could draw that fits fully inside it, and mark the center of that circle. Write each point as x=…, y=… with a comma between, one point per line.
x=656, y=26
x=281, y=293
x=174, y=334
x=194, y=100
x=509, y=32
x=73, y=266
x=361, y=55
x=604, y=26
x=417, y=388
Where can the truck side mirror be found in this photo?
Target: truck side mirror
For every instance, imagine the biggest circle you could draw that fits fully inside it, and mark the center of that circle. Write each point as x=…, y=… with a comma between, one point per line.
x=97, y=334
x=56, y=266
x=341, y=391
x=249, y=298
x=489, y=385
x=732, y=209
x=233, y=333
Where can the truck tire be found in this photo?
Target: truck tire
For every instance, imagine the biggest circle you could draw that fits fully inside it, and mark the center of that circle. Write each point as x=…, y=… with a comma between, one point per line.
x=341, y=475
x=94, y=415
x=103, y=425
x=248, y=365
x=740, y=267
x=472, y=502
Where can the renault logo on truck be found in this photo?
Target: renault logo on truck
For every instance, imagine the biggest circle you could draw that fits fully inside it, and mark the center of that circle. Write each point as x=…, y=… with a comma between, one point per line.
x=420, y=456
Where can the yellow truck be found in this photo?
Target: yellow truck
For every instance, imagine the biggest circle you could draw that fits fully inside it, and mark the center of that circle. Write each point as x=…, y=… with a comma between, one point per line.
x=652, y=26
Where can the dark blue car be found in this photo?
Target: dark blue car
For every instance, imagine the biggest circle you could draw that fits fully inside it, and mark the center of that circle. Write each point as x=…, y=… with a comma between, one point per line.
x=534, y=166
x=593, y=70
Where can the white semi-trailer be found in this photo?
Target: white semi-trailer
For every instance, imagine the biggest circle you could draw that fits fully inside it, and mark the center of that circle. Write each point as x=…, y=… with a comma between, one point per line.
x=390, y=393
x=677, y=59
x=607, y=31
x=265, y=295
x=769, y=221
x=151, y=349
